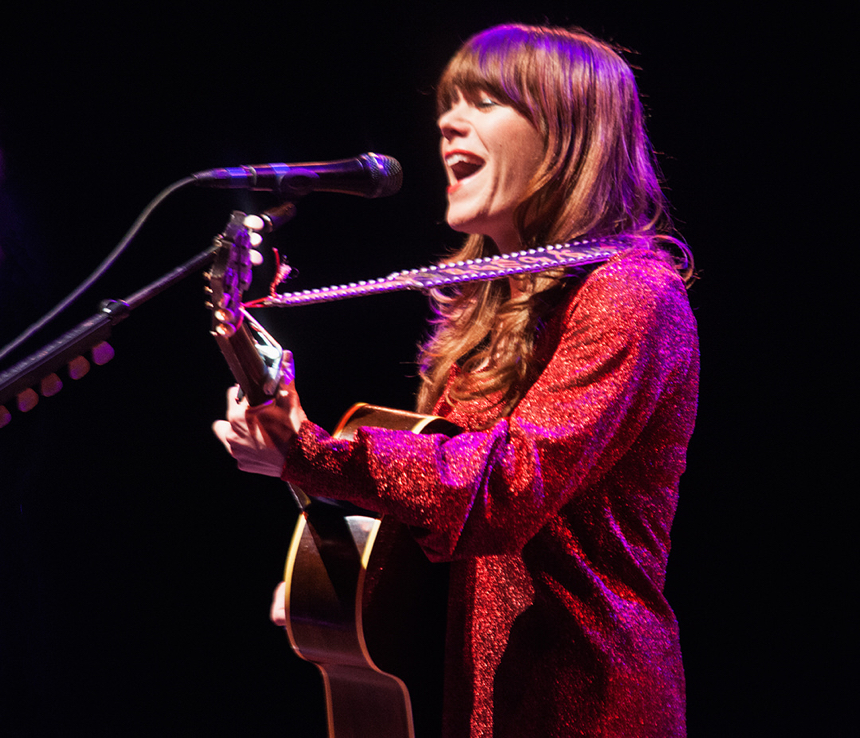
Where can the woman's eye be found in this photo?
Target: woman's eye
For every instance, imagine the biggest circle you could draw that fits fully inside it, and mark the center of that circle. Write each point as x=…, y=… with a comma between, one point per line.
x=486, y=102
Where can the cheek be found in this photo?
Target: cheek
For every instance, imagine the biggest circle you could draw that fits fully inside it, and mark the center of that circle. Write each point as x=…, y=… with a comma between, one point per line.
x=519, y=174
x=527, y=154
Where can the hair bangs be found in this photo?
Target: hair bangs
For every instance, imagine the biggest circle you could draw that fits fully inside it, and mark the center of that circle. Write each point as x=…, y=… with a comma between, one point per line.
x=491, y=62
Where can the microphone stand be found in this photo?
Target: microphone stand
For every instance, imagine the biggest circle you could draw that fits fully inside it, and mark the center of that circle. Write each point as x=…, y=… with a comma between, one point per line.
x=40, y=367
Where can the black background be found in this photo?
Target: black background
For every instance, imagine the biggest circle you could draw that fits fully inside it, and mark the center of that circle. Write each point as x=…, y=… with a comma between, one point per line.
x=136, y=562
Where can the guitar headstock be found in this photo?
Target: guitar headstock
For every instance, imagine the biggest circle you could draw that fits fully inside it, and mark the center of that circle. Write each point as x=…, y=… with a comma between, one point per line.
x=255, y=358
x=230, y=276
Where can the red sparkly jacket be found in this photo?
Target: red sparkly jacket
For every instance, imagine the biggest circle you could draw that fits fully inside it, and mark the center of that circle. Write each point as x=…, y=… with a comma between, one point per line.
x=556, y=519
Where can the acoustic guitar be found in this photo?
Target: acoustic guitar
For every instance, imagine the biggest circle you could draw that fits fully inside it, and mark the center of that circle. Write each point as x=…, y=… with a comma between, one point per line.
x=363, y=603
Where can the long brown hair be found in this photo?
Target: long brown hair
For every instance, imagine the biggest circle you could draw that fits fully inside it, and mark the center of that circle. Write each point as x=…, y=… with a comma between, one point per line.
x=597, y=178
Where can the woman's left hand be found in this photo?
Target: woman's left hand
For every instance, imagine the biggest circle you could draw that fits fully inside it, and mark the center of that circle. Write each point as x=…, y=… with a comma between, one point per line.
x=257, y=436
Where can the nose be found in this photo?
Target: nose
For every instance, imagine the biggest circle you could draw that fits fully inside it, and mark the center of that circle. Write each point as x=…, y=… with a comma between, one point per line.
x=453, y=121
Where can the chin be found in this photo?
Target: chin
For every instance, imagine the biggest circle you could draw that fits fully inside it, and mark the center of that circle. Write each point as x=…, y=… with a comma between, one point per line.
x=464, y=224
x=460, y=227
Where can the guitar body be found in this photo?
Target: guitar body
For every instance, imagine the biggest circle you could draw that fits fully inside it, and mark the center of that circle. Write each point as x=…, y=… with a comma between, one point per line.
x=365, y=605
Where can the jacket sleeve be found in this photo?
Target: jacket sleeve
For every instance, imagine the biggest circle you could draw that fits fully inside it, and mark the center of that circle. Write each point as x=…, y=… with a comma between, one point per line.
x=628, y=337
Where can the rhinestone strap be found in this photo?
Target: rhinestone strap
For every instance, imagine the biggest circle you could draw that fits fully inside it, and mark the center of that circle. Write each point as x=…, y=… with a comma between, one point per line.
x=587, y=251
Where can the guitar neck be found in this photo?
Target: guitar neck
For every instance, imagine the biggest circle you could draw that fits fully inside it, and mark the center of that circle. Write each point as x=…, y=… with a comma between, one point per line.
x=254, y=357
x=250, y=372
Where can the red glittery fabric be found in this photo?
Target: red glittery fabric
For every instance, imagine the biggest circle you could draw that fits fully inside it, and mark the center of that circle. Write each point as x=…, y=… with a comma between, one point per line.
x=556, y=519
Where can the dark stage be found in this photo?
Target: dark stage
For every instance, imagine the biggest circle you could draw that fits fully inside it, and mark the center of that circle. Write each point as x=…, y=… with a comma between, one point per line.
x=137, y=563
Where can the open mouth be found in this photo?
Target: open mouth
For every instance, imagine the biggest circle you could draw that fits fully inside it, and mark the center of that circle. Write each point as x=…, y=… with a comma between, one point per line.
x=463, y=165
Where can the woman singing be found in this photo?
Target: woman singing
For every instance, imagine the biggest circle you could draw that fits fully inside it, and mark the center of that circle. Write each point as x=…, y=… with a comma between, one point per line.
x=577, y=391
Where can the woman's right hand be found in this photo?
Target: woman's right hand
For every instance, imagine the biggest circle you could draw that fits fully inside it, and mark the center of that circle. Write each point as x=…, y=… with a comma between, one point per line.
x=278, y=612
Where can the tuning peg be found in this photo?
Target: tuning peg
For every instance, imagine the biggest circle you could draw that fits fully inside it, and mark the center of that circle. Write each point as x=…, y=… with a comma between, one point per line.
x=224, y=329
x=5, y=416
x=225, y=315
x=253, y=223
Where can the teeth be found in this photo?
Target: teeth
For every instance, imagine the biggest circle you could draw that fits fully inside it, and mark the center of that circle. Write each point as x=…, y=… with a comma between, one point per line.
x=458, y=158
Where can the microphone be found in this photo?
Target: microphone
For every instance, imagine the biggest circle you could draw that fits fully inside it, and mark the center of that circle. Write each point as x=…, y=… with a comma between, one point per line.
x=368, y=175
